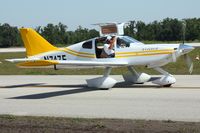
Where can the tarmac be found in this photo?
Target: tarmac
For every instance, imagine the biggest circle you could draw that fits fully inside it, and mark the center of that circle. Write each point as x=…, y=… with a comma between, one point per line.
x=69, y=96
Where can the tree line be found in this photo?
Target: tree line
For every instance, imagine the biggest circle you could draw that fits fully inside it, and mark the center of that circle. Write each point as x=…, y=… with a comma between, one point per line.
x=166, y=30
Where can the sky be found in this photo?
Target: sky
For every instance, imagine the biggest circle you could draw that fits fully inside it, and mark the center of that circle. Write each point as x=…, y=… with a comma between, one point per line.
x=33, y=13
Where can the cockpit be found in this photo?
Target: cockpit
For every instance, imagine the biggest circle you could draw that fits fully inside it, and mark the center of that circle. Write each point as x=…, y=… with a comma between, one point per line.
x=121, y=42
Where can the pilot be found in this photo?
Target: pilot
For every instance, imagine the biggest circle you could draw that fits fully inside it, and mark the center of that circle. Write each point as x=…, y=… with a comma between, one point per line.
x=109, y=46
x=120, y=43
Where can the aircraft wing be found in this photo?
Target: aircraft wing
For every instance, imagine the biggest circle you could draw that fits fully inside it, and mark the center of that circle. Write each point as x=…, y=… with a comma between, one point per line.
x=92, y=63
x=26, y=62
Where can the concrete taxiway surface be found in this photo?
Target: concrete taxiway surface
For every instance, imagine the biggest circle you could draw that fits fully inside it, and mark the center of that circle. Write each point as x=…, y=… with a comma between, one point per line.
x=69, y=96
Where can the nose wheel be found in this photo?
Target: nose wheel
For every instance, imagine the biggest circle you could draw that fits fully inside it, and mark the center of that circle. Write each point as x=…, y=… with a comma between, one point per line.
x=166, y=80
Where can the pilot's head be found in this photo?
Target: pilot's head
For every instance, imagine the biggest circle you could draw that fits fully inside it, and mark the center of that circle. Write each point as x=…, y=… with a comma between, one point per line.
x=110, y=39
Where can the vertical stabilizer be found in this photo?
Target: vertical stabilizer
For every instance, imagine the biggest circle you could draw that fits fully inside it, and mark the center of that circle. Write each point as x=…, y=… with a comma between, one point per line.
x=35, y=43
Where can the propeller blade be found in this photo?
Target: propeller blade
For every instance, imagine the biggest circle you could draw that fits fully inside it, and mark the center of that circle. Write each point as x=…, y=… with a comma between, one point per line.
x=189, y=63
x=174, y=56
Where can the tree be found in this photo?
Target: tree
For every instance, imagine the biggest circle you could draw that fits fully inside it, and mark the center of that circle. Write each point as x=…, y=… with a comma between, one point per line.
x=166, y=30
x=192, y=29
x=8, y=35
x=130, y=29
x=140, y=26
x=55, y=34
x=62, y=33
x=171, y=30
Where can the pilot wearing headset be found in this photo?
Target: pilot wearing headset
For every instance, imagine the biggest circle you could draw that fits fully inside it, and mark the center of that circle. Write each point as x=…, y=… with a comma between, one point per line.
x=109, y=46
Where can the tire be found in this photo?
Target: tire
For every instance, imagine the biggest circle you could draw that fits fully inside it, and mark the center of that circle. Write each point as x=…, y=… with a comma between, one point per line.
x=169, y=85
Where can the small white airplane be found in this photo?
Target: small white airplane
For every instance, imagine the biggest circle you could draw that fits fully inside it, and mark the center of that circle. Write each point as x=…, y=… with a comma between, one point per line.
x=127, y=52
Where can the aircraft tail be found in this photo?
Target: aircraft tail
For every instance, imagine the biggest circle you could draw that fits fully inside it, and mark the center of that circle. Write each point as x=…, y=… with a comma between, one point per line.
x=35, y=43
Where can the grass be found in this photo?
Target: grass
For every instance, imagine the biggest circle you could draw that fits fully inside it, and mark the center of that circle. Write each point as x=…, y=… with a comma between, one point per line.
x=7, y=68
x=17, y=124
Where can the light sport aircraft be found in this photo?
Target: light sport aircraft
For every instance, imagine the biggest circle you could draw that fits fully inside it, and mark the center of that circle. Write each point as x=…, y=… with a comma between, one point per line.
x=128, y=52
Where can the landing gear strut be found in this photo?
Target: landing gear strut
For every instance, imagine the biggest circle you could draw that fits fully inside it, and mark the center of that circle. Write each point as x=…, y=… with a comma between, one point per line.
x=135, y=77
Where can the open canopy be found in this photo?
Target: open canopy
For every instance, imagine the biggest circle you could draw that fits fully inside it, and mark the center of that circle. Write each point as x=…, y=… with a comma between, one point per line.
x=111, y=29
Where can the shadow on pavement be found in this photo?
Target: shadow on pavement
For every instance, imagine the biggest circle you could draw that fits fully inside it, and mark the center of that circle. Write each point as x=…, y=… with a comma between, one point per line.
x=55, y=93
x=80, y=88
x=130, y=85
x=22, y=85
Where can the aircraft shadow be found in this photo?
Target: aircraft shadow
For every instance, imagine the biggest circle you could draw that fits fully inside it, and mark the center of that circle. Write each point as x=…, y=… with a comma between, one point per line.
x=118, y=85
x=80, y=88
x=22, y=85
x=39, y=85
x=130, y=85
x=55, y=93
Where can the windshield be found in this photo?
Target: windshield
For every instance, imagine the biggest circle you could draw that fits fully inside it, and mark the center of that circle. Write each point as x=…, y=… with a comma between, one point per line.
x=130, y=39
x=126, y=41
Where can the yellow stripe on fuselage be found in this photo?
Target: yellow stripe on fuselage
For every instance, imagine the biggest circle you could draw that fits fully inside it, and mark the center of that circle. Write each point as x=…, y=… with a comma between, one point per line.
x=37, y=63
x=163, y=50
x=143, y=53
x=84, y=53
x=79, y=54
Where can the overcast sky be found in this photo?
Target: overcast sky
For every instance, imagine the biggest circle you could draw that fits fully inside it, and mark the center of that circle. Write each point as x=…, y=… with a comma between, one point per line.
x=32, y=13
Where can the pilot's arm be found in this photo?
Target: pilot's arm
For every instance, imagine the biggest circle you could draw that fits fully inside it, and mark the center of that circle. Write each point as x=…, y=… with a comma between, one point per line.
x=108, y=49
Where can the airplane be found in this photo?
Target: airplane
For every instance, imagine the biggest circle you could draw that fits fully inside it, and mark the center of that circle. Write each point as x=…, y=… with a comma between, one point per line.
x=129, y=53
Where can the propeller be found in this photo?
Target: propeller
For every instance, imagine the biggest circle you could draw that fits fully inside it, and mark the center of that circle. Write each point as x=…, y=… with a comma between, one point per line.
x=183, y=29
x=188, y=62
x=174, y=56
x=185, y=49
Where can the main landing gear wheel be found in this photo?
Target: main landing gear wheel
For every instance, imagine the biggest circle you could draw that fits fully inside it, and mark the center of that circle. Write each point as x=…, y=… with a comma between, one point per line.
x=104, y=82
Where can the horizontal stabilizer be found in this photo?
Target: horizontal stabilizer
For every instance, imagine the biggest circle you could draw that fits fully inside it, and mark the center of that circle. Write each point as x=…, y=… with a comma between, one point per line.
x=22, y=59
x=37, y=63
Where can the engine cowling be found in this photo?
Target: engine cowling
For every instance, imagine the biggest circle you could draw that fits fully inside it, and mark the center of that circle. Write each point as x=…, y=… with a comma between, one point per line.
x=137, y=79
x=165, y=80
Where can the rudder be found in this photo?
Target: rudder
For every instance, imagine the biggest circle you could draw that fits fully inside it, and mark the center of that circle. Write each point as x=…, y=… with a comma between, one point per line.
x=35, y=43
